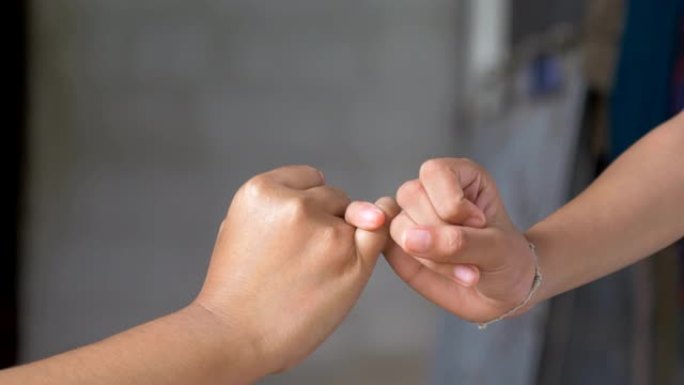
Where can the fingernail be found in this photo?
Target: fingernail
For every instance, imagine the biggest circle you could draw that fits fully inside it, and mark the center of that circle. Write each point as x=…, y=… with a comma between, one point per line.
x=418, y=240
x=465, y=274
x=372, y=216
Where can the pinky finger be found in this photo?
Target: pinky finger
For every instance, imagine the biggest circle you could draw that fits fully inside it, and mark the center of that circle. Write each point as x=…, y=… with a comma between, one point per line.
x=365, y=215
x=434, y=286
x=464, y=275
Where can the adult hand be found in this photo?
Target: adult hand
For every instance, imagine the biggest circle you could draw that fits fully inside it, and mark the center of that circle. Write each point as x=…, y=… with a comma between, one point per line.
x=455, y=243
x=287, y=267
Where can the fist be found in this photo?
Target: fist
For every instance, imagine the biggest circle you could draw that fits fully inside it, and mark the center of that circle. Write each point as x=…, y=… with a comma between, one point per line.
x=455, y=244
x=287, y=267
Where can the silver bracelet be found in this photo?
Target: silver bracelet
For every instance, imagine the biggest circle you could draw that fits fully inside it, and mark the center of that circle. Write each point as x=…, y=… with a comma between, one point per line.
x=536, y=283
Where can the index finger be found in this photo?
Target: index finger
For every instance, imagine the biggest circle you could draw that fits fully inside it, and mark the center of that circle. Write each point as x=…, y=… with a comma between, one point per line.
x=452, y=186
x=298, y=177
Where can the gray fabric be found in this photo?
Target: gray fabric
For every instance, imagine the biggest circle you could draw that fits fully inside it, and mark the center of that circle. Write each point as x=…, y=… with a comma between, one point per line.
x=530, y=150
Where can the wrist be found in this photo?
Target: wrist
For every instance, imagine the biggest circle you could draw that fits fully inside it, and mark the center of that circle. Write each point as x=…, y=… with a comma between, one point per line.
x=540, y=252
x=532, y=280
x=528, y=282
x=233, y=352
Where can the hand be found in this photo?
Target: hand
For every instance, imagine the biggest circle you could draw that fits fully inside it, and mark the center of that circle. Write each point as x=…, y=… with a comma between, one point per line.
x=455, y=243
x=287, y=267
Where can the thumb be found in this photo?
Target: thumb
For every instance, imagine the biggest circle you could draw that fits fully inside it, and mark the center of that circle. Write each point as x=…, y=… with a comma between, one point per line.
x=370, y=243
x=468, y=214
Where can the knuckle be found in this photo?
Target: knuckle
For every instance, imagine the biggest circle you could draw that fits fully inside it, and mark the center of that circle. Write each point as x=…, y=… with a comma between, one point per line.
x=336, y=193
x=408, y=191
x=335, y=239
x=431, y=167
x=455, y=241
x=297, y=208
x=465, y=162
x=329, y=236
x=256, y=187
x=468, y=163
x=336, y=234
x=307, y=170
x=449, y=208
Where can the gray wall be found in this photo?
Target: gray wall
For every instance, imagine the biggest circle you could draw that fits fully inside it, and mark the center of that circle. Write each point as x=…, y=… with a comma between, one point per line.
x=147, y=115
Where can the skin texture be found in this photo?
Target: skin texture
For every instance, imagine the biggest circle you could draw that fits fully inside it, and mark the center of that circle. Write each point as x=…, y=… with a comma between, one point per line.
x=286, y=269
x=293, y=255
x=455, y=244
x=480, y=268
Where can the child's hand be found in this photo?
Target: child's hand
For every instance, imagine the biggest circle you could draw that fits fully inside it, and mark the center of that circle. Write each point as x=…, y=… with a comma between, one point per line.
x=455, y=243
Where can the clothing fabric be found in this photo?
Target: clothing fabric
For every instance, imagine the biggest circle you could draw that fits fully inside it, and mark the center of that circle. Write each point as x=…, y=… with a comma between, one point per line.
x=530, y=150
x=649, y=89
x=642, y=94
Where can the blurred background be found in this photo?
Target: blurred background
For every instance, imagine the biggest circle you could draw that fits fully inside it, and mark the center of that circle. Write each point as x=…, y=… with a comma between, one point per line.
x=132, y=123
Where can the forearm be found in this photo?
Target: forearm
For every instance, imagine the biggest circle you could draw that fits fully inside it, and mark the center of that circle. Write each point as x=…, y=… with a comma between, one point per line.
x=285, y=270
x=187, y=347
x=634, y=209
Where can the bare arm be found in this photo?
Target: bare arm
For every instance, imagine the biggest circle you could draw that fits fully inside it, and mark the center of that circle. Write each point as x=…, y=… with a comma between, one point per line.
x=634, y=209
x=456, y=245
x=191, y=346
x=291, y=258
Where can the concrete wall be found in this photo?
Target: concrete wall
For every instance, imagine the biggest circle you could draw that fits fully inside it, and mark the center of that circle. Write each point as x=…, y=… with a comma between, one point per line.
x=146, y=116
